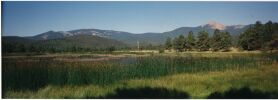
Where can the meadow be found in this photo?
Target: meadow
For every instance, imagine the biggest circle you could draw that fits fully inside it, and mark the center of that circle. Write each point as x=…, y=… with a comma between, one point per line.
x=167, y=75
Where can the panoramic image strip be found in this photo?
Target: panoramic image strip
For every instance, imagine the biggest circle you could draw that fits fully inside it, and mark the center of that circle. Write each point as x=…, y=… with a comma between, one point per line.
x=139, y=50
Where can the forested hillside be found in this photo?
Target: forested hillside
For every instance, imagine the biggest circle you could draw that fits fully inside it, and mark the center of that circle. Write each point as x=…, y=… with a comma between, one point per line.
x=69, y=44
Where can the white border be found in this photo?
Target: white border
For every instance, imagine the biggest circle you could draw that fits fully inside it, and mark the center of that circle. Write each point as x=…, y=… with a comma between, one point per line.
x=158, y=0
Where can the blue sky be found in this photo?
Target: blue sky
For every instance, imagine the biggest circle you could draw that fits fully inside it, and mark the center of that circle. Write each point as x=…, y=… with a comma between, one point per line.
x=31, y=18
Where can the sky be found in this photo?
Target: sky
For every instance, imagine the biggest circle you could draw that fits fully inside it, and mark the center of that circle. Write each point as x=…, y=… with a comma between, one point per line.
x=32, y=18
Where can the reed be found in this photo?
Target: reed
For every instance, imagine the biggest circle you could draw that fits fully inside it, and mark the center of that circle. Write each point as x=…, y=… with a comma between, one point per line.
x=23, y=74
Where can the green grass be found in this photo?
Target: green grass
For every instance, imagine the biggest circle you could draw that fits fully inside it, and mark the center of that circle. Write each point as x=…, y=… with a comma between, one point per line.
x=40, y=77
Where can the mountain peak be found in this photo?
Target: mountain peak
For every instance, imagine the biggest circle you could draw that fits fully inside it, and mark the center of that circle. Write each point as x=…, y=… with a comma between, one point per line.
x=215, y=25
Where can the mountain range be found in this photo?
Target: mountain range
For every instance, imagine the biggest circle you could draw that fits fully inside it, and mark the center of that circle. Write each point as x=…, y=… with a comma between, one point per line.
x=144, y=39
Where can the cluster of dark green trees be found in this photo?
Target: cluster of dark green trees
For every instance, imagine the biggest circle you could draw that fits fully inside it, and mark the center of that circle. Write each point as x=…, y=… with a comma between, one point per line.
x=219, y=41
x=257, y=37
x=22, y=48
x=260, y=37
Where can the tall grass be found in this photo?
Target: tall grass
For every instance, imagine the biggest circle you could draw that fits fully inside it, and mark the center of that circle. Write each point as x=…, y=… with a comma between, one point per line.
x=22, y=74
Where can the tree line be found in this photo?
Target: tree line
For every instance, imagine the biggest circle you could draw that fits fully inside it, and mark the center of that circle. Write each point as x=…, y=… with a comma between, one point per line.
x=28, y=48
x=260, y=37
x=219, y=41
x=257, y=37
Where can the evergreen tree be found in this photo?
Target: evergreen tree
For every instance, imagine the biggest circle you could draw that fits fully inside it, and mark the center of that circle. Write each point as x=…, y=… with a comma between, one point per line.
x=168, y=43
x=203, y=41
x=221, y=41
x=216, y=40
x=268, y=36
x=21, y=48
x=175, y=43
x=259, y=34
x=191, y=40
x=178, y=43
x=7, y=47
x=182, y=42
x=185, y=44
x=246, y=39
x=268, y=31
x=32, y=48
x=52, y=49
x=252, y=38
x=272, y=42
x=226, y=41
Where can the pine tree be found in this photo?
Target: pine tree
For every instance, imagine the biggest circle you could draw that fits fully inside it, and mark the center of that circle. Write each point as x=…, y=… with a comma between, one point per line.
x=203, y=41
x=268, y=35
x=221, y=40
x=191, y=41
x=259, y=34
x=252, y=38
x=168, y=43
x=181, y=43
x=216, y=40
x=32, y=48
x=178, y=43
x=226, y=41
x=21, y=48
x=268, y=31
x=248, y=40
x=272, y=35
x=175, y=43
x=185, y=44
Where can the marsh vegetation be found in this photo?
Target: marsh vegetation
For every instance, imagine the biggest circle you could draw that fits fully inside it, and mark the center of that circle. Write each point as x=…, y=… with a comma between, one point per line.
x=196, y=74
